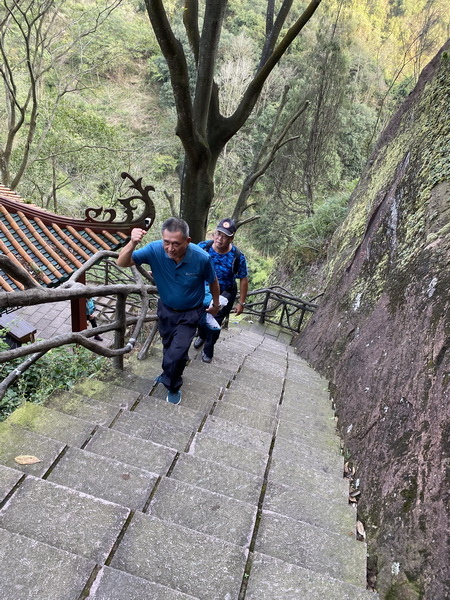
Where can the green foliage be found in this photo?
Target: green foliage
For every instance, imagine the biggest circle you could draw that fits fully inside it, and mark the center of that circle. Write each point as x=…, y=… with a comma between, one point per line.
x=259, y=268
x=59, y=369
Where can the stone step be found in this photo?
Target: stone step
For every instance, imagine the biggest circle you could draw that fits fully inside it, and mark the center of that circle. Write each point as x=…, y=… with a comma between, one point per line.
x=304, y=478
x=331, y=514
x=313, y=548
x=160, y=432
x=104, y=478
x=204, y=511
x=180, y=558
x=107, y=392
x=240, y=390
x=238, y=434
x=32, y=570
x=17, y=441
x=297, y=452
x=63, y=518
x=131, y=450
x=112, y=584
x=244, y=416
x=228, y=454
x=251, y=400
x=153, y=408
x=274, y=579
x=83, y=407
x=52, y=423
x=164, y=499
x=218, y=478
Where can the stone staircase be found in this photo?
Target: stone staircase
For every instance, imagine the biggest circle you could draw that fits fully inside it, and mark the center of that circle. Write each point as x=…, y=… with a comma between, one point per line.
x=237, y=493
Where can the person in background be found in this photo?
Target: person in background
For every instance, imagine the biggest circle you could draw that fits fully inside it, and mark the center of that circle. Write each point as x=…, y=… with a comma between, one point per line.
x=229, y=264
x=180, y=270
x=90, y=308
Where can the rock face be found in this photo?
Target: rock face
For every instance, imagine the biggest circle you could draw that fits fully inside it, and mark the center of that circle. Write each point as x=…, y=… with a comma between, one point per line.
x=382, y=337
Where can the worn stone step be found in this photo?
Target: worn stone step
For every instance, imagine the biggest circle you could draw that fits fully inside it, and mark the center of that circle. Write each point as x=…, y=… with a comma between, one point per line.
x=247, y=437
x=17, y=441
x=305, y=404
x=160, y=432
x=244, y=416
x=239, y=389
x=112, y=584
x=273, y=579
x=306, y=419
x=32, y=570
x=104, y=478
x=131, y=381
x=151, y=407
x=307, y=546
x=64, y=518
x=248, y=398
x=310, y=506
x=52, y=423
x=218, y=478
x=131, y=450
x=204, y=511
x=231, y=455
x=326, y=438
x=307, y=479
x=256, y=381
x=294, y=451
x=83, y=407
x=185, y=560
x=197, y=396
x=107, y=392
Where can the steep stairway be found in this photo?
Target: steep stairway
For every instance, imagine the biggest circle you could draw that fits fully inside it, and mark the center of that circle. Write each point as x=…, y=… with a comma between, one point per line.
x=235, y=494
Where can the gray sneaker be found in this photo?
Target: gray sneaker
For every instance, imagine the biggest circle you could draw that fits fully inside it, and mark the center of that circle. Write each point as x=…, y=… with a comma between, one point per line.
x=206, y=359
x=198, y=343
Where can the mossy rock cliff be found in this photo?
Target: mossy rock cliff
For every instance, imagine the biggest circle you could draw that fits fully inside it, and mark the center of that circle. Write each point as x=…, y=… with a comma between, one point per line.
x=382, y=336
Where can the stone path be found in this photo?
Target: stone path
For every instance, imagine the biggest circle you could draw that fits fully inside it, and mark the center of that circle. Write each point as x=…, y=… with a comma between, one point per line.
x=237, y=493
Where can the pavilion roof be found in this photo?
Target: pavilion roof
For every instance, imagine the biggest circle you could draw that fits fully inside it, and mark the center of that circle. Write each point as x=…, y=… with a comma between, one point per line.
x=50, y=246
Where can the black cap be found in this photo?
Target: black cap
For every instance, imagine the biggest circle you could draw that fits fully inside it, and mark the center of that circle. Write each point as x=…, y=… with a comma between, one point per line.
x=227, y=226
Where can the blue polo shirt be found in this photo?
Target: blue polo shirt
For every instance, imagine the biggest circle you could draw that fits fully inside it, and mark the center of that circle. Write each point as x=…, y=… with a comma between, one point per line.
x=180, y=285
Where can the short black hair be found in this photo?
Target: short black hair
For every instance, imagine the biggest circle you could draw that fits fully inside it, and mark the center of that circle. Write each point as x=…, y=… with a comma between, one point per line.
x=174, y=224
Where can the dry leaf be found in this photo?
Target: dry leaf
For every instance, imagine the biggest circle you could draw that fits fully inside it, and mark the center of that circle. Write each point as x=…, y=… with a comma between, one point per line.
x=360, y=529
x=27, y=459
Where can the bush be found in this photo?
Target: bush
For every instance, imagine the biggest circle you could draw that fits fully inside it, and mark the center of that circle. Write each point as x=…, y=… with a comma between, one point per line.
x=61, y=368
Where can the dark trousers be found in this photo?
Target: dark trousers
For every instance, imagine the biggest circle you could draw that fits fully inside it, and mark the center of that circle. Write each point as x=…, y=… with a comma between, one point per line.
x=177, y=330
x=211, y=336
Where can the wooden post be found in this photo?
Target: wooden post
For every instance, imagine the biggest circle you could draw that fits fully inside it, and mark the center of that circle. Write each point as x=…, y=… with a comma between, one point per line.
x=262, y=318
x=119, y=333
x=78, y=310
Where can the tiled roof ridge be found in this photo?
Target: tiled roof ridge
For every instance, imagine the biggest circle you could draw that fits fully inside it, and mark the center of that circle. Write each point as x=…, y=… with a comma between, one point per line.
x=14, y=204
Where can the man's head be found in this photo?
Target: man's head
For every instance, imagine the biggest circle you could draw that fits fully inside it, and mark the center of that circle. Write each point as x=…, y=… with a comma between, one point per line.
x=224, y=235
x=175, y=237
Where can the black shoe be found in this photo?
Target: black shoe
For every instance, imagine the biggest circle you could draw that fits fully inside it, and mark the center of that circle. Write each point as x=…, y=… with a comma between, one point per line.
x=198, y=343
x=98, y=338
x=206, y=359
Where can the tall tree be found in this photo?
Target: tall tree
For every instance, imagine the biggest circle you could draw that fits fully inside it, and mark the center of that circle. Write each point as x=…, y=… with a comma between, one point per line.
x=201, y=127
x=37, y=40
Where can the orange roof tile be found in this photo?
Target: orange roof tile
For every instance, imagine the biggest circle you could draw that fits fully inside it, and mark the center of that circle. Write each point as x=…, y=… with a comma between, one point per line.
x=50, y=246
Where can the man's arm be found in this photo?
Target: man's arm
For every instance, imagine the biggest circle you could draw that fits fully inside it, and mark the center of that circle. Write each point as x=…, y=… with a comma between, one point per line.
x=214, y=288
x=243, y=289
x=124, y=259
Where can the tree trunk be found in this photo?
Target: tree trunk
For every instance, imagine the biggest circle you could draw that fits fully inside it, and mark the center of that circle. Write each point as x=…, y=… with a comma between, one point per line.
x=197, y=196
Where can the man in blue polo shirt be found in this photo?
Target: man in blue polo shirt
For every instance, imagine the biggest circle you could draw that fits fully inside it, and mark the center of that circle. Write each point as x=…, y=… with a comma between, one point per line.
x=180, y=270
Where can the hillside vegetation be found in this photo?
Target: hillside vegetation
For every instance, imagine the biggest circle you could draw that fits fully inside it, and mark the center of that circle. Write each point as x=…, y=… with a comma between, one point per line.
x=104, y=105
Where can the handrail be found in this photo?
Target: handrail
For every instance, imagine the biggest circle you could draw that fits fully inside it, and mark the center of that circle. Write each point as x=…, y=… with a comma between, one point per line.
x=279, y=307
x=73, y=289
